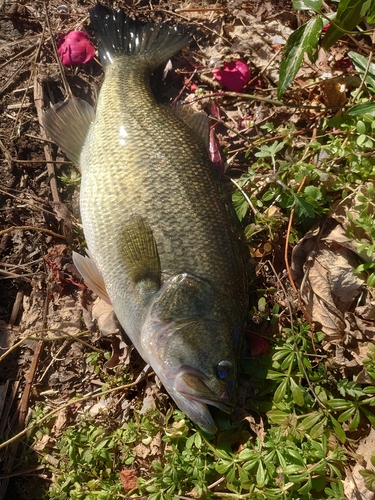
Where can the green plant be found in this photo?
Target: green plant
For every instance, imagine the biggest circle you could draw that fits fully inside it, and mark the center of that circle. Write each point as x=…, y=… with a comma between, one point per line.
x=306, y=38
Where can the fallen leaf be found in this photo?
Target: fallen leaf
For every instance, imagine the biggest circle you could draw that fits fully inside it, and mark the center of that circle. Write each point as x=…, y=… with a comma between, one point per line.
x=323, y=267
x=354, y=484
x=128, y=479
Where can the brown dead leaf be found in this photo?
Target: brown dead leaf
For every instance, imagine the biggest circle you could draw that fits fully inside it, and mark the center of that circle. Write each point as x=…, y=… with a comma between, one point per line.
x=324, y=269
x=60, y=422
x=106, y=319
x=354, y=484
x=117, y=352
x=128, y=479
x=45, y=442
x=142, y=450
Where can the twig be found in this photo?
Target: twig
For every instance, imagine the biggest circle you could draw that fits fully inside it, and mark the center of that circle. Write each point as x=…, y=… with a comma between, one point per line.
x=32, y=228
x=38, y=99
x=29, y=81
x=17, y=56
x=64, y=335
x=16, y=307
x=66, y=405
x=255, y=211
x=32, y=206
x=61, y=68
x=274, y=102
x=67, y=162
x=203, y=9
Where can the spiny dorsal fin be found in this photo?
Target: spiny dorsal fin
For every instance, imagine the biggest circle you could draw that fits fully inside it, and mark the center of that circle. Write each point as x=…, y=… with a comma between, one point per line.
x=67, y=123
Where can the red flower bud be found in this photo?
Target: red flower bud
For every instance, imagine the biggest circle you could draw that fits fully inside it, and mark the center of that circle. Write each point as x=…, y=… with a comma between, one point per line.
x=234, y=75
x=75, y=48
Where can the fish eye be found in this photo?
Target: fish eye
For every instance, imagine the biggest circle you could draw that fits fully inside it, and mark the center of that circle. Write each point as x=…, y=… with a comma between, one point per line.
x=224, y=369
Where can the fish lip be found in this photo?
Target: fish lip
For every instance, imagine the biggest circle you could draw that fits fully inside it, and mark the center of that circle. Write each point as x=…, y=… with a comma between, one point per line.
x=184, y=386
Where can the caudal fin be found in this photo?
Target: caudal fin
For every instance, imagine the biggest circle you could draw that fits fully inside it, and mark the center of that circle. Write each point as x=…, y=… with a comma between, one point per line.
x=118, y=35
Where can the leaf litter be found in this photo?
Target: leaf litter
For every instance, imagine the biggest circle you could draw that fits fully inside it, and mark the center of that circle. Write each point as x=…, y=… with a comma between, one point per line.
x=40, y=289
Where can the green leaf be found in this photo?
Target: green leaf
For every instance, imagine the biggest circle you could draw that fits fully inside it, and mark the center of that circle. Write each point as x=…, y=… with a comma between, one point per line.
x=297, y=393
x=313, y=192
x=338, y=429
x=277, y=416
x=346, y=415
x=223, y=467
x=260, y=476
x=317, y=430
x=339, y=404
x=368, y=9
x=311, y=420
x=240, y=204
x=355, y=422
x=280, y=391
x=314, y=5
x=247, y=454
x=360, y=64
x=369, y=415
x=301, y=206
x=304, y=39
x=349, y=14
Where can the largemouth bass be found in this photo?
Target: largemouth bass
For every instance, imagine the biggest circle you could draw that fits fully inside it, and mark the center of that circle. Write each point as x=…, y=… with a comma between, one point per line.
x=160, y=230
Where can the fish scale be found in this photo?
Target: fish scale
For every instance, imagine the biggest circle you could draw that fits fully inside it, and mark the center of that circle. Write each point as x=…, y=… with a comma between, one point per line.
x=175, y=192
x=165, y=246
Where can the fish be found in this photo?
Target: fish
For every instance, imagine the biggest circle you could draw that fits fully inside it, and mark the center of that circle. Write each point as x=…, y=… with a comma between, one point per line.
x=164, y=245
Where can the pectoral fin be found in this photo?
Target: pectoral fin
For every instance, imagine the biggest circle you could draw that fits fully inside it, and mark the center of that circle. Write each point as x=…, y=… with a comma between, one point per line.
x=67, y=123
x=91, y=275
x=140, y=255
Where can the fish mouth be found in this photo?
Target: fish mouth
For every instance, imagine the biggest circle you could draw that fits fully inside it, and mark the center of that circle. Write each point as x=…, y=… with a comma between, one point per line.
x=195, y=391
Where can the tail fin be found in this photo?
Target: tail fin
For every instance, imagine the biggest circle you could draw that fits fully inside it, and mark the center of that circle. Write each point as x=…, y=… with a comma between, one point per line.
x=118, y=35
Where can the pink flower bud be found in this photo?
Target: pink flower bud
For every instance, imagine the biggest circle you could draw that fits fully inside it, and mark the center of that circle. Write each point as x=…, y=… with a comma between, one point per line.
x=75, y=48
x=234, y=75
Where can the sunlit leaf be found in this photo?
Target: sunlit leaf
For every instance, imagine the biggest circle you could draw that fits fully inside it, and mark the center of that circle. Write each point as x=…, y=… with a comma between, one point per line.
x=315, y=5
x=349, y=14
x=304, y=40
x=338, y=429
x=297, y=393
x=280, y=391
x=362, y=65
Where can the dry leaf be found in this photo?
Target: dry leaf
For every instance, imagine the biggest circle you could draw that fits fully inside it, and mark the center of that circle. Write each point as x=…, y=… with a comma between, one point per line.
x=324, y=269
x=354, y=485
x=128, y=479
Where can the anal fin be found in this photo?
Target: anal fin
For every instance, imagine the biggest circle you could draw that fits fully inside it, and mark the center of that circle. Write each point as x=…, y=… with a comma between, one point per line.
x=91, y=275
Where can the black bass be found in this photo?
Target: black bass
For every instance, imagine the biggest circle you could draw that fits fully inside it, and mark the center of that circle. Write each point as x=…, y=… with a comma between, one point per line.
x=159, y=227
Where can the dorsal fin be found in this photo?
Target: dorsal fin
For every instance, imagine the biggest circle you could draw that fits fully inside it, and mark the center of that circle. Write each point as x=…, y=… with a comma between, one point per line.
x=67, y=123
